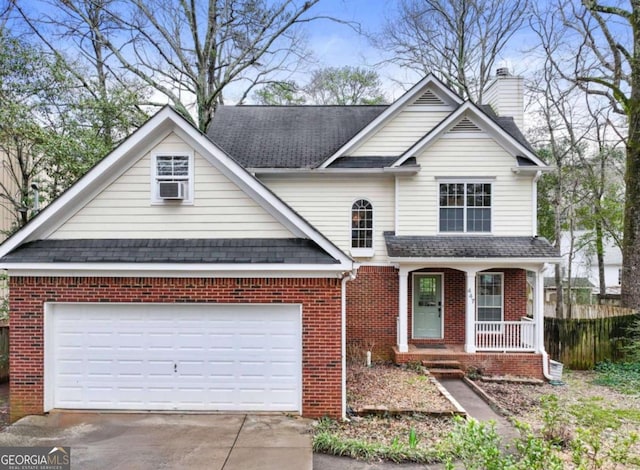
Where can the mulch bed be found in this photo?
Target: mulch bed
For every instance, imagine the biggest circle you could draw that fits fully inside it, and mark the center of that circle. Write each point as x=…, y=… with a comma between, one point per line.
x=393, y=389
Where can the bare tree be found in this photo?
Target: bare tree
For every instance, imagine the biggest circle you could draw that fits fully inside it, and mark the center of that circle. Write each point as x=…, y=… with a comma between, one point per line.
x=344, y=86
x=458, y=40
x=601, y=55
x=560, y=132
x=192, y=51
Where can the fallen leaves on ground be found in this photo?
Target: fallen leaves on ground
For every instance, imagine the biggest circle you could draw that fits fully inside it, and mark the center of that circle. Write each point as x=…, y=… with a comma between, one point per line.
x=393, y=387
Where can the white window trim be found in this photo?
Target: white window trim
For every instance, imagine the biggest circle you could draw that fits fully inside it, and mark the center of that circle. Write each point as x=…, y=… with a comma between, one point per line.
x=465, y=207
x=362, y=252
x=501, y=274
x=155, y=199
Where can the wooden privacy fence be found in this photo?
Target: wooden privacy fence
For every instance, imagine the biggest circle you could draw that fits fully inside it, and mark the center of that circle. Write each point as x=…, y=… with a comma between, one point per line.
x=588, y=311
x=582, y=343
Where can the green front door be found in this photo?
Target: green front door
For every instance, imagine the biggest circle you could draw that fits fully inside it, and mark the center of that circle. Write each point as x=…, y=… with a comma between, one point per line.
x=427, y=306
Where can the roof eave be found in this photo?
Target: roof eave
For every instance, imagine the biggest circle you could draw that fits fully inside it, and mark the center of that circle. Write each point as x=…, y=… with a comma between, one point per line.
x=167, y=270
x=493, y=262
x=532, y=169
x=404, y=170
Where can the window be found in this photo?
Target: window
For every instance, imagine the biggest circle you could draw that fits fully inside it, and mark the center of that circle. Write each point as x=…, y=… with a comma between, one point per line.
x=362, y=228
x=489, y=297
x=465, y=207
x=168, y=169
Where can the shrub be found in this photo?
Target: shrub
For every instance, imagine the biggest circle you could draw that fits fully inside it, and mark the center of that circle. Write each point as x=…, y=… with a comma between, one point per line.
x=622, y=377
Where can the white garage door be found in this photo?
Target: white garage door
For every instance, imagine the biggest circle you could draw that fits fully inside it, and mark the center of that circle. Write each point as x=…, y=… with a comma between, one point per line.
x=173, y=357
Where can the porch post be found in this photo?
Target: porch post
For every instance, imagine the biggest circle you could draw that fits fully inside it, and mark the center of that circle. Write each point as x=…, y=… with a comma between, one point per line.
x=403, y=309
x=538, y=310
x=470, y=313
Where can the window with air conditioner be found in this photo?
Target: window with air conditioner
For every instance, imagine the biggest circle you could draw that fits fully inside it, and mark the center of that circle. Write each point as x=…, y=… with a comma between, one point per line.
x=172, y=180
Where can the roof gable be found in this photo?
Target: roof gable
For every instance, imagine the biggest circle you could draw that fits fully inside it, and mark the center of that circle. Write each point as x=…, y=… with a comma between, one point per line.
x=470, y=119
x=216, y=206
x=414, y=96
x=146, y=137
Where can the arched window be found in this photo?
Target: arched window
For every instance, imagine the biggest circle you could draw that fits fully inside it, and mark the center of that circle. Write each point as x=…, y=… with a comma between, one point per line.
x=362, y=224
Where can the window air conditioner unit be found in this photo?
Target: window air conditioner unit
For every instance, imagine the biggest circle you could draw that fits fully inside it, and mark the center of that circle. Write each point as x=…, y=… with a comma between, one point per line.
x=171, y=189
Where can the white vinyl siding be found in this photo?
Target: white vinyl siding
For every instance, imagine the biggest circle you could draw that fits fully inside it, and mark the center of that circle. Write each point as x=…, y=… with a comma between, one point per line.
x=326, y=202
x=400, y=133
x=506, y=96
x=7, y=216
x=220, y=209
x=465, y=159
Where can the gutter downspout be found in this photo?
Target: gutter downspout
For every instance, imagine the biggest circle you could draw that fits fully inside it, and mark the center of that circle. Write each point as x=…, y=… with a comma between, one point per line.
x=534, y=202
x=347, y=276
x=540, y=324
x=545, y=366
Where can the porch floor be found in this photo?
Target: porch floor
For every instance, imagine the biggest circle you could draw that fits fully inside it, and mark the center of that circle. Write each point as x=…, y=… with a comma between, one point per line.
x=519, y=364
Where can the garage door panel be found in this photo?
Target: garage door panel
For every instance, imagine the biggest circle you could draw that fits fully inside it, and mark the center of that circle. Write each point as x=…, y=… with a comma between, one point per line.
x=168, y=357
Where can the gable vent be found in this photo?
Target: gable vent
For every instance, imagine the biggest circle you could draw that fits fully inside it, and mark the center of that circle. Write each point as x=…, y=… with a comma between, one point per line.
x=428, y=98
x=465, y=125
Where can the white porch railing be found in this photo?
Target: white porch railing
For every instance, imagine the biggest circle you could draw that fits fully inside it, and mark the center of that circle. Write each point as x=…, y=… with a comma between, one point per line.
x=505, y=335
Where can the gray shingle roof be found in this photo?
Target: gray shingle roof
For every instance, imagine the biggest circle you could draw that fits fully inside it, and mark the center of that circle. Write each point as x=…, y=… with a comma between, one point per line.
x=468, y=247
x=287, y=136
x=244, y=250
x=304, y=136
x=577, y=282
x=368, y=162
x=509, y=125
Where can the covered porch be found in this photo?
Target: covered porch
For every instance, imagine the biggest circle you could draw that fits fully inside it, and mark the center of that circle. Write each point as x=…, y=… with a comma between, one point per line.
x=476, y=308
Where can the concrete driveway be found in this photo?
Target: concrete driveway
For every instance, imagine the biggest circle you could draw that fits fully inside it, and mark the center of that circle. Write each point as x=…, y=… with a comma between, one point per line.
x=169, y=441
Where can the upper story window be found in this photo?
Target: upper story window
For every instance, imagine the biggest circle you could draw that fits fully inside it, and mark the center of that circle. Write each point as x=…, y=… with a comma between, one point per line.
x=362, y=228
x=465, y=207
x=172, y=178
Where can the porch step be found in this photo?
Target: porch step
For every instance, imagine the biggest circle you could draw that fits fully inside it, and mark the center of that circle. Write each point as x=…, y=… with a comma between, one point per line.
x=441, y=373
x=441, y=364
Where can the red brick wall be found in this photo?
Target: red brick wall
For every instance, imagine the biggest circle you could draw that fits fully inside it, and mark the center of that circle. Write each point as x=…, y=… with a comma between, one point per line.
x=321, y=332
x=513, y=364
x=372, y=308
x=515, y=294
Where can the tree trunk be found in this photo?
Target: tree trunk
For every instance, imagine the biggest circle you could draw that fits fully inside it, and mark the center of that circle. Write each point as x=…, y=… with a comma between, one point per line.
x=602, y=285
x=630, y=288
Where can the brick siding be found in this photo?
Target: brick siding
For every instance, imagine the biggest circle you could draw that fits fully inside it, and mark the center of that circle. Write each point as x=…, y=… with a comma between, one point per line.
x=321, y=332
x=513, y=364
x=372, y=308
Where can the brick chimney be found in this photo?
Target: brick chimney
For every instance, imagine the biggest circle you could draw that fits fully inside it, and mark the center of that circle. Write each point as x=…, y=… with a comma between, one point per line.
x=505, y=94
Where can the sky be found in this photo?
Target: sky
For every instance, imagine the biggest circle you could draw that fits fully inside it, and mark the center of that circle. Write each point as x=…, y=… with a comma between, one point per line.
x=336, y=44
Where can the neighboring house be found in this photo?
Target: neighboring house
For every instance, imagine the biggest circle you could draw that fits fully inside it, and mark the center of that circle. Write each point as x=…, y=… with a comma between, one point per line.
x=230, y=271
x=7, y=215
x=581, y=290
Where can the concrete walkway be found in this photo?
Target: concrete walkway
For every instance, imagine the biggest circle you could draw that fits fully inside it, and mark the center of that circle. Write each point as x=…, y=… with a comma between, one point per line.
x=132, y=441
x=477, y=408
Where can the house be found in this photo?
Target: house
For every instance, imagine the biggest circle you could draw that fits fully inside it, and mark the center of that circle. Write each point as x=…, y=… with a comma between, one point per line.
x=584, y=262
x=7, y=185
x=231, y=271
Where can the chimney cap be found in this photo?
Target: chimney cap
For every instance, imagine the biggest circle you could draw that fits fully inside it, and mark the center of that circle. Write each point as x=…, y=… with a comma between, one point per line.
x=503, y=72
